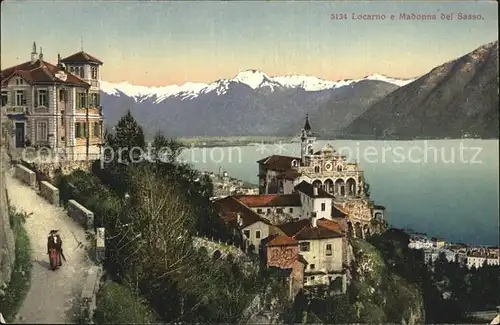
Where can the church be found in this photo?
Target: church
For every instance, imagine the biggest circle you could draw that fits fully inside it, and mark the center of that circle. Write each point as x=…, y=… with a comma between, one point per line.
x=327, y=170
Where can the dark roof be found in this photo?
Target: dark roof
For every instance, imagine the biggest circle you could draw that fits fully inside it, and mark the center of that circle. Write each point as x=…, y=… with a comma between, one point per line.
x=270, y=200
x=379, y=207
x=81, y=57
x=336, y=213
x=307, y=126
x=290, y=175
x=229, y=208
x=308, y=189
x=40, y=72
x=303, y=229
x=278, y=163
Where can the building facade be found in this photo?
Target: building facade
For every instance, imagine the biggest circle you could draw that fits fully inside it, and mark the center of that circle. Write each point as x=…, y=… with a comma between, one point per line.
x=54, y=106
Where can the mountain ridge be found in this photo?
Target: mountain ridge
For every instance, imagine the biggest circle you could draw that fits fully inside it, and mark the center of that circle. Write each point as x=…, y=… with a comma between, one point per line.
x=454, y=100
x=255, y=79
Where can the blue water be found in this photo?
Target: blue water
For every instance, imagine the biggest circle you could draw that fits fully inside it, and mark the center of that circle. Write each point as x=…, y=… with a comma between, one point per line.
x=445, y=188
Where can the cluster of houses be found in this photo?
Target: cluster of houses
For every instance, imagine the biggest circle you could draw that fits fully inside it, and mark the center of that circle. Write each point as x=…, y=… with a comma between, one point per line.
x=224, y=185
x=466, y=255
x=306, y=208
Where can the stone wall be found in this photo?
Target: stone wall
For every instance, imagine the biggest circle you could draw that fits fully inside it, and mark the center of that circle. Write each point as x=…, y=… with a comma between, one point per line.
x=7, y=243
x=81, y=214
x=49, y=192
x=26, y=175
x=89, y=292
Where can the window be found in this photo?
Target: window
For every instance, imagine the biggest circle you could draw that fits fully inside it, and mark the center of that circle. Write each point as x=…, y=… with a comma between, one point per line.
x=97, y=129
x=81, y=100
x=41, y=131
x=290, y=210
x=312, y=266
x=328, y=250
x=305, y=246
x=257, y=234
x=268, y=211
x=323, y=206
x=279, y=210
x=20, y=101
x=312, y=278
x=78, y=71
x=71, y=69
x=94, y=100
x=80, y=130
x=42, y=98
x=246, y=233
x=259, y=211
x=62, y=118
x=4, y=98
x=62, y=95
x=93, y=70
x=19, y=81
x=316, y=169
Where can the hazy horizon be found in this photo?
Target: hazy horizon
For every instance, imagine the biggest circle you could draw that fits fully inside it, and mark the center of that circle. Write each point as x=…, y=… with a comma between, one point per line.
x=158, y=43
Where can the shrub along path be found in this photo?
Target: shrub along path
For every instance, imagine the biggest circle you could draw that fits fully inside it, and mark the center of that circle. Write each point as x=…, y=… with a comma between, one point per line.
x=52, y=294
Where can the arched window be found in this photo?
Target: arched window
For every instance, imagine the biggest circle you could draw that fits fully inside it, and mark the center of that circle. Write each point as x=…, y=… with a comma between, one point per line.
x=339, y=168
x=316, y=169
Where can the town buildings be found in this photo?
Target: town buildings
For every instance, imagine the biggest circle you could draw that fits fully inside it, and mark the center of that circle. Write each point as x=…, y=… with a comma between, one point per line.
x=306, y=210
x=325, y=169
x=54, y=106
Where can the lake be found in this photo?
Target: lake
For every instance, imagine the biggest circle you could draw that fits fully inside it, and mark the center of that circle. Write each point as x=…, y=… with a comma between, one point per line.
x=445, y=188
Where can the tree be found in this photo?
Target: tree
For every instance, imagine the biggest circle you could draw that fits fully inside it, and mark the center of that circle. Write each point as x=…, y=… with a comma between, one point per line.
x=126, y=137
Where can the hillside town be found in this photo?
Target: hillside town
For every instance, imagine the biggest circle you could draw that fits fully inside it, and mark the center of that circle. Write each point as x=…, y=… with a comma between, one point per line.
x=224, y=185
x=306, y=209
x=467, y=255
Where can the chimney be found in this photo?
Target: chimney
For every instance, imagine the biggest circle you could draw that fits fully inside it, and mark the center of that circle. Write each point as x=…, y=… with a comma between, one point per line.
x=314, y=218
x=33, y=53
x=41, y=54
x=315, y=191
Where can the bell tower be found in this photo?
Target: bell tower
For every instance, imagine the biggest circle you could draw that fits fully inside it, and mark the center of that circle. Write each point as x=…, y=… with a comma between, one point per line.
x=306, y=141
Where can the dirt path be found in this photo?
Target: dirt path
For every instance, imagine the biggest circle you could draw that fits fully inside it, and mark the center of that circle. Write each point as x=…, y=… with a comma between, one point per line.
x=52, y=293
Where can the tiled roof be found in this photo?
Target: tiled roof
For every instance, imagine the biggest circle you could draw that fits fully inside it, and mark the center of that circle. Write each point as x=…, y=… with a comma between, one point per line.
x=278, y=163
x=270, y=200
x=39, y=72
x=81, y=57
x=282, y=241
x=303, y=229
x=229, y=208
x=308, y=189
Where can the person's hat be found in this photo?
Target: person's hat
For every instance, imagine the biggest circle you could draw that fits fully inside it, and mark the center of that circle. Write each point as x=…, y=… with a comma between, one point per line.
x=53, y=231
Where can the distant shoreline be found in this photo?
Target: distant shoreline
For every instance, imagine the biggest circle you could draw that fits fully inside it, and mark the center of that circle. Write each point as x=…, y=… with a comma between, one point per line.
x=210, y=142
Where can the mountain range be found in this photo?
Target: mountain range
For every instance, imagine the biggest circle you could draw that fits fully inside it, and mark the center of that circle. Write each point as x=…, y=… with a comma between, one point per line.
x=251, y=103
x=456, y=99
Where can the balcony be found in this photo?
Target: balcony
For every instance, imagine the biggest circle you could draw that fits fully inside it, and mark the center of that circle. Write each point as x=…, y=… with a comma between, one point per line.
x=16, y=110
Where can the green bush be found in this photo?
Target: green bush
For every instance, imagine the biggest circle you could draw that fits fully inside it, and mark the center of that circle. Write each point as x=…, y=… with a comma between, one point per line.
x=118, y=304
x=20, y=279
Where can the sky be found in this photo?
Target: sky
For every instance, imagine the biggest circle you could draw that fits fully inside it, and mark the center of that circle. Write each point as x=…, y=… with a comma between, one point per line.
x=156, y=43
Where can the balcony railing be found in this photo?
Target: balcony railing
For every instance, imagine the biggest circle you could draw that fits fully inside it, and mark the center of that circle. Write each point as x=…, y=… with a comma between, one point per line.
x=16, y=109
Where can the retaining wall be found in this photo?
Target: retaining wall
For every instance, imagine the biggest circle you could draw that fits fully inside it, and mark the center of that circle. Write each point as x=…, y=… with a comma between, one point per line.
x=89, y=292
x=49, y=192
x=81, y=214
x=25, y=175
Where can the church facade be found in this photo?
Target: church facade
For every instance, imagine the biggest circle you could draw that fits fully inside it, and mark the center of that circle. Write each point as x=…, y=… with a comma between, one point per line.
x=325, y=169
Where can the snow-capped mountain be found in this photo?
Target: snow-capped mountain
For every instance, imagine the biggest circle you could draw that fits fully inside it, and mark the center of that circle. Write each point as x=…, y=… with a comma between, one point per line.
x=252, y=78
x=251, y=103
